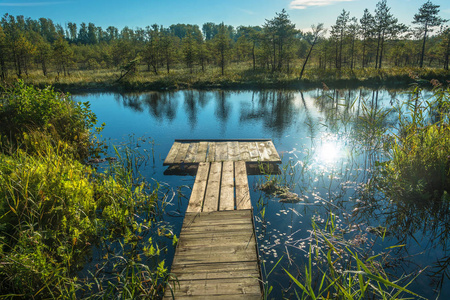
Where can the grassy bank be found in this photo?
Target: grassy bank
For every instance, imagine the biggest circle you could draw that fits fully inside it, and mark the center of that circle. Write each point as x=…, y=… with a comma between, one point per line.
x=56, y=211
x=237, y=76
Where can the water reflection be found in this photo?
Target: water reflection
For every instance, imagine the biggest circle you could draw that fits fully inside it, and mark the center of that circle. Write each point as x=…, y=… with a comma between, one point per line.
x=276, y=109
x=223, y=108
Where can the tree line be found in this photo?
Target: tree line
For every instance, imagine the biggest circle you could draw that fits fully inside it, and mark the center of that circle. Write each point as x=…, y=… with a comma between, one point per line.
x=374, y=40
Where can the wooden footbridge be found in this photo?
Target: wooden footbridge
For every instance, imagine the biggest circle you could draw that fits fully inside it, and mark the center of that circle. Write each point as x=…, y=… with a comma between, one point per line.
x=217, y=253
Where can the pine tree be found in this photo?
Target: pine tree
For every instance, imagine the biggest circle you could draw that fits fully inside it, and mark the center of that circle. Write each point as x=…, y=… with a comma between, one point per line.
x=427, y=18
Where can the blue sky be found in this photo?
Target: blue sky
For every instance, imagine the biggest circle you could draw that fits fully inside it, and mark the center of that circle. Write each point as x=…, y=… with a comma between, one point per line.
x=140, y=13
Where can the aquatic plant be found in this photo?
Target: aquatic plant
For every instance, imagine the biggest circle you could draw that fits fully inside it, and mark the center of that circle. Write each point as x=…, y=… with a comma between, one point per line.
x=339, y=268
x=418, y=168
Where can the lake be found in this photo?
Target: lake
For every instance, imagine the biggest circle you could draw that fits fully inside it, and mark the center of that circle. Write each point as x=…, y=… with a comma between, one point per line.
x=328, y=152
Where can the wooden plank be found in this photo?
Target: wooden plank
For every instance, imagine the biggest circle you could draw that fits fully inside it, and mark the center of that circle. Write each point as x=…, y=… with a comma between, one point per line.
x=241, y=214
x=254, y=152
x=172, y=154
x=221, y=151
x=191, y=153
x=208, y=241
x=244, y=151
x=211, y=202
x=263, y=151
x=218, y=228
x=252, y=273
x=227, y=187
x=242, y=190
x=274, y=156
x=209, y=254
x=218, y=297
x=233, y=151
x=220, y=140
x=217, y=218
x=246, y=286
x=214, y=240
x=211, y=156
x=200, y=269
x=182, y=151
x=198, y=191
x=201, y=153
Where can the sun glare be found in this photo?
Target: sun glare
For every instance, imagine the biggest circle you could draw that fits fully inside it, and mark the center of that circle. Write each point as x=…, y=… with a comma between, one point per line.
x=329, y=150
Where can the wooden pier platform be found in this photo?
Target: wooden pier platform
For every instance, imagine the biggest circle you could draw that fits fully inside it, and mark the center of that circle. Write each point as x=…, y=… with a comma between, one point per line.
x=217, y=253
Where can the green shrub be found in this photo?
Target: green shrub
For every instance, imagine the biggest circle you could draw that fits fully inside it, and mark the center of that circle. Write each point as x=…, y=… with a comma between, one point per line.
x=25, y=110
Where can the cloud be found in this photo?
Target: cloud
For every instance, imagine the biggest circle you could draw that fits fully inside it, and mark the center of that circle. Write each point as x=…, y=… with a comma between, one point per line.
x=302, y=4
x=23, y=4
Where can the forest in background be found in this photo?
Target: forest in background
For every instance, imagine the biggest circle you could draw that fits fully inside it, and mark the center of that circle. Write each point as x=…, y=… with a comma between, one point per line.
x=30, y=48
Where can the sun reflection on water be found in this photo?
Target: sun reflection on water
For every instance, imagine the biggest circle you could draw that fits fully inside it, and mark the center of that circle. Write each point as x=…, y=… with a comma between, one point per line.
x=329, y=150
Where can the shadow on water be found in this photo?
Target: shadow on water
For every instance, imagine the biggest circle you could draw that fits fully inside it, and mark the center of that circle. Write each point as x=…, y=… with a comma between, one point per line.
x=329, y=141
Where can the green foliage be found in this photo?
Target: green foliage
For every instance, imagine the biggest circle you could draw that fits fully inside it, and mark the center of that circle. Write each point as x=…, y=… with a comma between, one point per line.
x=25, y=111
x=418, y=168
x=54, y=208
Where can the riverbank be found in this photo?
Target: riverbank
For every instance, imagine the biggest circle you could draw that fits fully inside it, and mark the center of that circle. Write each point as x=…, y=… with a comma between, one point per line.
x=236, y=78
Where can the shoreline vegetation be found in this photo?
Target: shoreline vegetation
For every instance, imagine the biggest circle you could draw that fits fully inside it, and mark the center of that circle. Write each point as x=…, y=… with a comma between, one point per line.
x=239, y=78
x=70, y=229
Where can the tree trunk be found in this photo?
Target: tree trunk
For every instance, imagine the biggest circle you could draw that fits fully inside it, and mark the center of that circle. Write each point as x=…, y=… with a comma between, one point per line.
x=423, y=46
x=447, y=54
x=381, y=52
x=307, y=57
x=363, y=53
x=253, y=56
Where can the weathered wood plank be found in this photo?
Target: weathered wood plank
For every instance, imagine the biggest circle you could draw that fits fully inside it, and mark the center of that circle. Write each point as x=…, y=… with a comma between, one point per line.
x=221, y=151
x=242, y=190
x=211, y=202
x=172, y=154
x=198, y=191
x=274, y=156
x=244, y=152
x=226, y=201
x=209, y=254
x=218, y=297
x=208, y=240
x=211, y=156
x=199, y=269
x=182, y=151
x=191, y=153
x=219, y=227
x=232, y=241
x=201, y=153
x=212, y=287
x=254, y=152
x=220, y=215
x=233, y=151
x=251, y=273
x=216, y=218
x=263, y=151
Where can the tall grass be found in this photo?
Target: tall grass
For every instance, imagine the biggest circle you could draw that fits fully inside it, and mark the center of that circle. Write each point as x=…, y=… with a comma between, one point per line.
x=337, y=268
x=418, y=167
x=237, y=75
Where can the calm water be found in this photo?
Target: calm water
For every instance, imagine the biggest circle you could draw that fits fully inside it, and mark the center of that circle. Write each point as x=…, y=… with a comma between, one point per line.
x=328, y=154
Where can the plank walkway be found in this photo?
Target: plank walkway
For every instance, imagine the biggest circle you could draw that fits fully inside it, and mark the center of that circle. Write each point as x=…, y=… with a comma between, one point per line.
x=217, y=253
x=197, y=151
